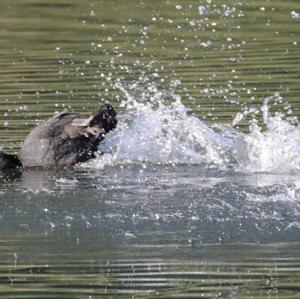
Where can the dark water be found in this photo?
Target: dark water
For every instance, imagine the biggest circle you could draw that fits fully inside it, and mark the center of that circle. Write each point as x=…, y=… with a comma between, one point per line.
x=175, y=208
x=170, y=231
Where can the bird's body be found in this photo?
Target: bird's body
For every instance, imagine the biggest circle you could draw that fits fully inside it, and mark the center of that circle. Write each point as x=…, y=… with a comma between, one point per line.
x=59, y=141
x=67, y=138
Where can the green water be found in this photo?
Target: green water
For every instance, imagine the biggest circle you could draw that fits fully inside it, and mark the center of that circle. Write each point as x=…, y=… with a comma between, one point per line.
x=118, y=233
x=112, y=271
x=69, y=54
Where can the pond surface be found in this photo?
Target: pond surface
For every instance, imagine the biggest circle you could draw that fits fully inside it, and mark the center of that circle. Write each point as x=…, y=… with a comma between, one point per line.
x=197, y=193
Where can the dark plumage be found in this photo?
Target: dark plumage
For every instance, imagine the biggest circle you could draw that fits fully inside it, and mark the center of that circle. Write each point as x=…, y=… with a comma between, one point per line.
x=67, y=138
x=8, y=161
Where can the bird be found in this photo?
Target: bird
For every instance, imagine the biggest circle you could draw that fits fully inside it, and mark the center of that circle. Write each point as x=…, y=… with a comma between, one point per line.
x=64, y=140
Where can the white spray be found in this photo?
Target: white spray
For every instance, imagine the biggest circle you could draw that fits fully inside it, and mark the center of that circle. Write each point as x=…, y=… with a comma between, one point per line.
x=157, y=128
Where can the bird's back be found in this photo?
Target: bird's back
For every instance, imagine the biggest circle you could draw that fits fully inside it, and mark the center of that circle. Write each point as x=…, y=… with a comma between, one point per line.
x=62, y=140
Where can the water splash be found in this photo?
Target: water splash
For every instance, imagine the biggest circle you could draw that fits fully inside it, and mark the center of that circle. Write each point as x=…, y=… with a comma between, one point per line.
x=157, y=128
x=295, y=15
x=274, y=149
